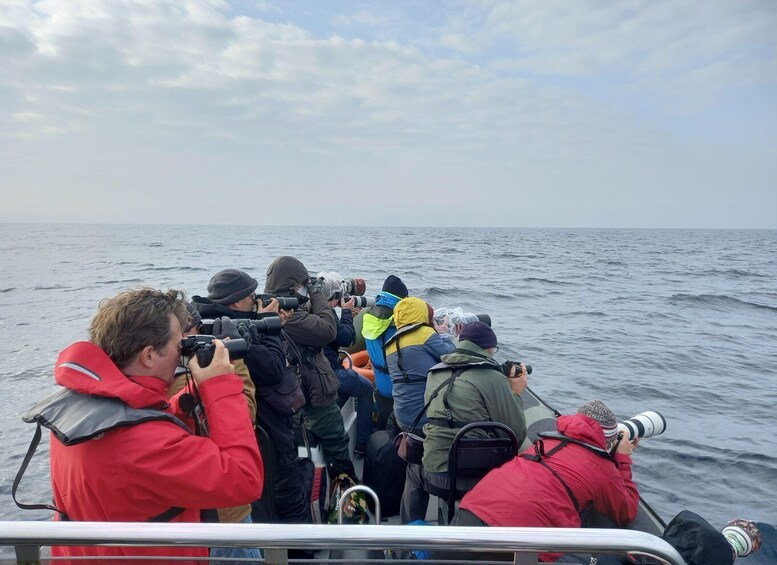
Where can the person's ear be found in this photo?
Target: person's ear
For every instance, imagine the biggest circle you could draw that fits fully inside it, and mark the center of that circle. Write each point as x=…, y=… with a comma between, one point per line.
x=146, y=356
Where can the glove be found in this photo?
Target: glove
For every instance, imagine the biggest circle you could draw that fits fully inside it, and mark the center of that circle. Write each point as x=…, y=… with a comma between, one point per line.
x=249, y=333
x=225, y=327
x=319, y=286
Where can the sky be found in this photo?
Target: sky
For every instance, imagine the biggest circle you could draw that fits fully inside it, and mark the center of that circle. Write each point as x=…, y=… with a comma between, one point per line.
x=585, y=113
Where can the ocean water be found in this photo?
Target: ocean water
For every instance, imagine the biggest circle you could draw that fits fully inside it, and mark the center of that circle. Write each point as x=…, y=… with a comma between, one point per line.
x=679, y=321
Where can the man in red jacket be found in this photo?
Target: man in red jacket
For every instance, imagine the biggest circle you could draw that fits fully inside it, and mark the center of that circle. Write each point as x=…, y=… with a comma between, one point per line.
x=119, y=451
x=575, y=472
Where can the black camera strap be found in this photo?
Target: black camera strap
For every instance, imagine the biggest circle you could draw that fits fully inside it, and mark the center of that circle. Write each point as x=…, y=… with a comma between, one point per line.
x=447, y=382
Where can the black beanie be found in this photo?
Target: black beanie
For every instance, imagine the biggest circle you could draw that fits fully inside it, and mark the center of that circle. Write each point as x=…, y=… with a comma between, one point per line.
x=478, y=333
x=230, y=285
x=395, y=286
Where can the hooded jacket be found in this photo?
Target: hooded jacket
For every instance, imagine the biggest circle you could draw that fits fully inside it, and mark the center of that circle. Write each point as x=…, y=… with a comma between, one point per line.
x=410, y=353
x=479, y=394
x=377, y=328
x=524, y=493
x=310, y=328
x=135, y=472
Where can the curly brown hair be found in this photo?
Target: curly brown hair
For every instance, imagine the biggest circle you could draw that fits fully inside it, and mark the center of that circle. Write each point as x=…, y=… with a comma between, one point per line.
x=134, y=319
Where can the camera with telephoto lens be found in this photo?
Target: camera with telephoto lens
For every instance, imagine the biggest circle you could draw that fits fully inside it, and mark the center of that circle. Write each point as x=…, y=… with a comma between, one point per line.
x=270, y=325
x=284, y=302
x=354, y=287
x=643, y=425
x=359, y=301
x=202, y=346
x=508, y=365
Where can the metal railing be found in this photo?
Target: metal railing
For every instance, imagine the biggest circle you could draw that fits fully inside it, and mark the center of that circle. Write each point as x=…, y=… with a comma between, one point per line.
x=525, y=543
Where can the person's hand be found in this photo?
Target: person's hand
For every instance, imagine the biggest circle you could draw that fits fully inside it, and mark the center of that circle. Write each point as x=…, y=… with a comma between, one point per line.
x=348, y=304
x=319, y=286
x=285, y=315
x=271, y=307
x=627, y=447
x=442, y=327
x=225, y=328
x=220, y=364
x=248, y=333
x=518, y=382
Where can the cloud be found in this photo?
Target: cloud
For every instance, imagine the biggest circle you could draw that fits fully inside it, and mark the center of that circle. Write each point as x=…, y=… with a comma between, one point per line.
x=529, y=97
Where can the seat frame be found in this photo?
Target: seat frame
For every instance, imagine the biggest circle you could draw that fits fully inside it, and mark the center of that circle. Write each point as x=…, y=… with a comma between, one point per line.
x=476, y=456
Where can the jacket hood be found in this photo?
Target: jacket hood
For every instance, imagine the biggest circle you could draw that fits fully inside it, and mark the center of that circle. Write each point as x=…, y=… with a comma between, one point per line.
x=284, y=273
x=581, y=427
x=85, y=368
x=384, y=298
x=410, y=311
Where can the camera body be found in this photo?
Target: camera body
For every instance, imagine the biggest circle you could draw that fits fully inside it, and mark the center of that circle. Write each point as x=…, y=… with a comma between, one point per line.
x=270, y=325
x=508, y=365
x=202, y=346
x=643, y=425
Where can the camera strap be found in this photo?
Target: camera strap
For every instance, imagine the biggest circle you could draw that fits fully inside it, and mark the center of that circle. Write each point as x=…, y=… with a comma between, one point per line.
x=539, y=453
x=447, y=382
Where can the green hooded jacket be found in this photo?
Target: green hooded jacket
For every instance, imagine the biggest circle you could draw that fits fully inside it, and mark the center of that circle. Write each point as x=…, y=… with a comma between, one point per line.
x=480, y=394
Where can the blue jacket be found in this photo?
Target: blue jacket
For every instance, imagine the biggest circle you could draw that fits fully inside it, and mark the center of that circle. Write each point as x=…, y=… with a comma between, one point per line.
x=410, y=353
x=377, y=328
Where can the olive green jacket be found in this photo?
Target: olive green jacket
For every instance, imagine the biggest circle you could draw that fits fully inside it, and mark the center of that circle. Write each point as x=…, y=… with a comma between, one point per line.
x=479, y=394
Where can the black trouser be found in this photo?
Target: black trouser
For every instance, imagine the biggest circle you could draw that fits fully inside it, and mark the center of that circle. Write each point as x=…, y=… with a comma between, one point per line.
x=292, y=503
x=385, y=406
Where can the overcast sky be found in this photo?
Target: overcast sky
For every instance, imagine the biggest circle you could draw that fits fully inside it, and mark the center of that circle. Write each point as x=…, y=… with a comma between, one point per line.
x=473, y=113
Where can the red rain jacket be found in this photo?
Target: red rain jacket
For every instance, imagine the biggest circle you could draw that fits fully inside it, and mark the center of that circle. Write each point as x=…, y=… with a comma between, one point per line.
x=131, y=474
x=524, y=493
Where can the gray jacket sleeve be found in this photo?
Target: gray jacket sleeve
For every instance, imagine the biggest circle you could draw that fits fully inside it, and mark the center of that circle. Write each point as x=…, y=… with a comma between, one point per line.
x=316, y=327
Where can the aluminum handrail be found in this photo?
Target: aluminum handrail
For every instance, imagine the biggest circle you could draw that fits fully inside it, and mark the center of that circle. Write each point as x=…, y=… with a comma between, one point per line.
x=358, y=488
x=281, y=536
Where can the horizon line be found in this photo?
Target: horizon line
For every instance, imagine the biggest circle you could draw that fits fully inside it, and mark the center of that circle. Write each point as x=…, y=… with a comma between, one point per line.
x=409, y=226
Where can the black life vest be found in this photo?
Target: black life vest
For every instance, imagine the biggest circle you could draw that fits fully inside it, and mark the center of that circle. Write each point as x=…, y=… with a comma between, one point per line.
x=74, y=418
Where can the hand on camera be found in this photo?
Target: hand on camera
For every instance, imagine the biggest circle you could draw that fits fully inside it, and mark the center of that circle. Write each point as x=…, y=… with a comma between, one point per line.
x=248, y=332
x=518, y=382
x=271, y=307
x=220, y=364
x=319, y=286
x=626, y=447
x=348, y=305
x=442, y=327
x=225, y=328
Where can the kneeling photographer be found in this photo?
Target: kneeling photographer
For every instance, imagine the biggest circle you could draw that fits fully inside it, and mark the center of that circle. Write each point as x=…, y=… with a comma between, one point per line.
x=231, y=296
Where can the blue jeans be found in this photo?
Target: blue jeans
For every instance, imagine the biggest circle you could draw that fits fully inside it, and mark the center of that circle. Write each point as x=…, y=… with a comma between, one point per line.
x=353, y=384
x=241, y=552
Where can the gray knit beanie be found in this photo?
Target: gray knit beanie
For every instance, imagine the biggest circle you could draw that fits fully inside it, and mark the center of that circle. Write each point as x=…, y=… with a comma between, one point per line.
x=597, y=410
x=230, y=285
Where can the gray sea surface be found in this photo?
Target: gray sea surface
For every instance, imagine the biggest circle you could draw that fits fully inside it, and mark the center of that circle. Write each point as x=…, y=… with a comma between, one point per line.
x=683, y=322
